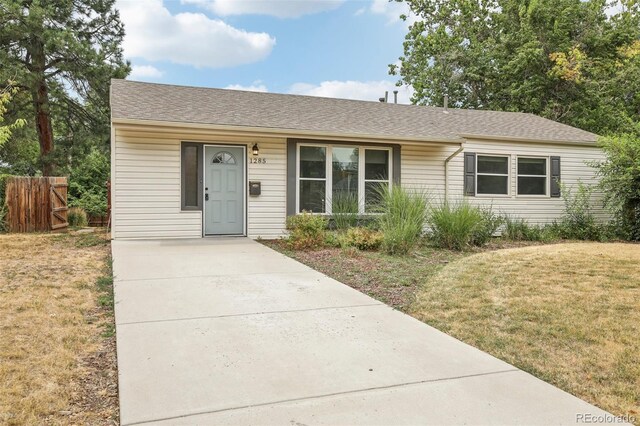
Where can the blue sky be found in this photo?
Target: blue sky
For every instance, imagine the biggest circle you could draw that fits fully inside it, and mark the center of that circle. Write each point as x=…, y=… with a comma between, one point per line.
x=335, y=48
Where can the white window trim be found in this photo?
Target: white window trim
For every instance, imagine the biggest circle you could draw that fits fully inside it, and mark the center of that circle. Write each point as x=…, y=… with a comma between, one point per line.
x=508, y=175
x=328, y=179
x=547, y=177
x=325, y=179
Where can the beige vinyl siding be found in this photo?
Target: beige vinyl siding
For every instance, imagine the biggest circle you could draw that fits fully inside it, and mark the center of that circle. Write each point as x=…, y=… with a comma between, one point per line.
x=267, y=213
x=146, y=183
x=146, y=179
x=422, y=169
x=535, y=209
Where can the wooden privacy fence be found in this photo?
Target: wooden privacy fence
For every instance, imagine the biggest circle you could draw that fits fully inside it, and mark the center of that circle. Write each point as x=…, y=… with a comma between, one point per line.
x=36, y=204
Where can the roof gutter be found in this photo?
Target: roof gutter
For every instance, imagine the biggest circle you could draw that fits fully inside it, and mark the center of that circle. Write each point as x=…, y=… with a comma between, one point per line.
x=446, y=171
x=278, y=132
x=527, y=140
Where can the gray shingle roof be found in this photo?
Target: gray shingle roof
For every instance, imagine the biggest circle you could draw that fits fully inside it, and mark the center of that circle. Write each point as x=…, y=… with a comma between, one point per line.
x=161, y=102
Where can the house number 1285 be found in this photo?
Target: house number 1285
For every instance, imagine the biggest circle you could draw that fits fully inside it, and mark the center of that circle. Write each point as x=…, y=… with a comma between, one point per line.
x=257, y=160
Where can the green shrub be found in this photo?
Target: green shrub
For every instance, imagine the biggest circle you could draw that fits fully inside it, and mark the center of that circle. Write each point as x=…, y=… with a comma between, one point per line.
x=77, y=217
x=93, y=203
x=332, y=239
x=3, y=202
x=3, y=216
x=308, y=230
x=88, y=183
x=363, y=238
x=578, y=221
x=401, y=219
x=458, y=226
x=520, y=230
x=345, y=211
x=487, y=228
x=620, y=182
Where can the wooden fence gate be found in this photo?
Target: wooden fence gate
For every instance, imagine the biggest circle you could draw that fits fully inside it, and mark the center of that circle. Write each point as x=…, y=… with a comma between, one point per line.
x=36, y=204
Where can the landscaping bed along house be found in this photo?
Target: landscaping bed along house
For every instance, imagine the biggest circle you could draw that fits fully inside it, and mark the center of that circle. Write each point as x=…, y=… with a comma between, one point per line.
x=542, y=298
x=57, y=332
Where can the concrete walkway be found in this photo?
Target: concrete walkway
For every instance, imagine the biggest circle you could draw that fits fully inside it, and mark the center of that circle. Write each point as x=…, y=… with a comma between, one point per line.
x=227, y=331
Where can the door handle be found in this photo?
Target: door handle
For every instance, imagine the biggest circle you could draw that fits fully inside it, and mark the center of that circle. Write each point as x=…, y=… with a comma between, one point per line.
x=206, y=197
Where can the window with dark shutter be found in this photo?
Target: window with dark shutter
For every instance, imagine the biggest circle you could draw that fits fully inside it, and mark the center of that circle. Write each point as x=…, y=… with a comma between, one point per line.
x=532, y=176
x=191, y=176
x=492, y=175
x=555, y=176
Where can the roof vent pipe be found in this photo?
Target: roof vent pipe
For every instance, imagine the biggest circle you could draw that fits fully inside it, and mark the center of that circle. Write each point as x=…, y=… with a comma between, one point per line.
x=386, y=96
x=446, y=104
x=395, y=96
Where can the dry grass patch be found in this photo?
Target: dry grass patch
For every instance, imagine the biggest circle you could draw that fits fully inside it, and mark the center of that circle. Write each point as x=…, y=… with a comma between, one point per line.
x=56, y=365
x=567, y=313
x=390, y=279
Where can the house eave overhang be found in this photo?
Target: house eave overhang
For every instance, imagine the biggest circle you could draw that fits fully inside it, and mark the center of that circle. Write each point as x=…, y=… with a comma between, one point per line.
x=286, y=133
x=481, y=137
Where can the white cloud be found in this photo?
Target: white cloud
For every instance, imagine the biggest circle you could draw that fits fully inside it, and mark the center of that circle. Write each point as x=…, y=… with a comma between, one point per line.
x=277, y=8
x=362, y=90
x=154, y=34
x=392, y=10
x=255, y=87
x=145, y=72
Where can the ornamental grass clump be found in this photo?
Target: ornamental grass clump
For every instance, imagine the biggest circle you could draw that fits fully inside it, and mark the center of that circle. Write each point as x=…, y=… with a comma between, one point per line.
x=77, y=217
x=344, y=209
x=459, y=226
x=401, y=219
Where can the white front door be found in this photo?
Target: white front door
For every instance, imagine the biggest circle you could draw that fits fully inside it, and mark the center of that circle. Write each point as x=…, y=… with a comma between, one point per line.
x=224, y=194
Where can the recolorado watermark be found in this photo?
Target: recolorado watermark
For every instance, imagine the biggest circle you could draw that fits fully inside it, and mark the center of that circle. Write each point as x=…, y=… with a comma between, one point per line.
x=603, y=418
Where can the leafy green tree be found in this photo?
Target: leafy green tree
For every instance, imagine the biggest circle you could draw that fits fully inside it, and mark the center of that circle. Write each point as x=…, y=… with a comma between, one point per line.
x=63, y=53
x=5, y=129
x=620, y=181
x=88, y=183
x=574, y=61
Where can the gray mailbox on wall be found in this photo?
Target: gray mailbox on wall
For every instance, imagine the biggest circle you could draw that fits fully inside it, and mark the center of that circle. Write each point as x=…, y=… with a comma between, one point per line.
x=254, y=188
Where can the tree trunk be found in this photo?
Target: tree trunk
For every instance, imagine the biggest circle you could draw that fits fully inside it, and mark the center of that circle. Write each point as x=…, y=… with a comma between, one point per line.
x=43, y=125
x=41, y=107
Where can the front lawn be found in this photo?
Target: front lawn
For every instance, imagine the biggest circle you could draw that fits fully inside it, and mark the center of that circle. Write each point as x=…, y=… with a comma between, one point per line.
x=57, y=342
x=390, y=279
x=568, y=313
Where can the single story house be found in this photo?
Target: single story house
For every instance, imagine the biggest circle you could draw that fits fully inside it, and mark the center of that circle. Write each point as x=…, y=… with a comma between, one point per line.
x=191, y=162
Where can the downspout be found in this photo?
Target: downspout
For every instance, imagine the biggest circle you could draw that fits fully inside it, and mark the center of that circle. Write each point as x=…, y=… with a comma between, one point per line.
x=446, y=172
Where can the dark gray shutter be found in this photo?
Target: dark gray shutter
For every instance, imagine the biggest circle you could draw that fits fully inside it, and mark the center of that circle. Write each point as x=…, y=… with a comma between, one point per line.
x=191, y=176
x=470, y=173
x=397, y=164
x=555, y=177
x=291, y=177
